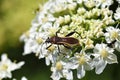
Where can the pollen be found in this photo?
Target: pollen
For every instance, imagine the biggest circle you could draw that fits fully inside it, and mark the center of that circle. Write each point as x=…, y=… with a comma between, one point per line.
x=89, y=43
x=39, y=40
x=104, y=53
x=114, y=34
x=59, y=66
x=51, y=48
x=82, y=60
x=3, y=67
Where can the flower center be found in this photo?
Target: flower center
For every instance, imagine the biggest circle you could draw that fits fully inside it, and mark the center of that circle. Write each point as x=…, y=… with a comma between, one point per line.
x=89, y=43
x=104, y=53
x=39, y=40
x=59, y=66
x=51, y=48
x=3, y=67
x=82, y=60
x=114, y=34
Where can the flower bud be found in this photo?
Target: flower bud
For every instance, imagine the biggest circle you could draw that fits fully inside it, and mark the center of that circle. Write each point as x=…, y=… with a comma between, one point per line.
x=67, y=18
x=72, y=6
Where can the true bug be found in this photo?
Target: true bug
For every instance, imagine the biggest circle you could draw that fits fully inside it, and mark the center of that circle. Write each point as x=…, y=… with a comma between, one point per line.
x=68, y=42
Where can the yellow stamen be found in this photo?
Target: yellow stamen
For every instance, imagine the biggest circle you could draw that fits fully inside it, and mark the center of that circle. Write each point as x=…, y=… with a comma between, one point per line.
x=59, y=66
x=3, y=67
x=39, y=40
x=89, y=43
x=51, y=48
x=114, y=34
x=104, y=53
x=82, y=60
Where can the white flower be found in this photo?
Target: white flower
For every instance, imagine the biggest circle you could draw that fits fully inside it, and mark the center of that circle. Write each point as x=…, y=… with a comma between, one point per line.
x=35, y=44
x=25, y=36
x=81, y=62
x=79, y=1
x=72, y=6
x=51, y=29
x=50, y=54
x=88, y=44
x=117, y=45
x=7, y=66
x=28, y=47
x=24, y=78
x=60, y=71
x=89, y=3
x=59, y=5
x=81, y=11
x=45, y=17
x=67, y=18
x=117, y=14
x=103, y=55
x=103, y=3
x=112, y=34
x=98, y=31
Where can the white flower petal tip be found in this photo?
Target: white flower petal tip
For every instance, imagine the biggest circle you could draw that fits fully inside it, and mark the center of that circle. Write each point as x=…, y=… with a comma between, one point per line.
x=100, y=67
x=24, y=78
x=7, y=66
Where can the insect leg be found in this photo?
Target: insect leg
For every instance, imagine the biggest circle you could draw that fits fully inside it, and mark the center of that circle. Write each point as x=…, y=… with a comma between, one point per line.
x=68, y=47
x=49, y=46
x=59, y=49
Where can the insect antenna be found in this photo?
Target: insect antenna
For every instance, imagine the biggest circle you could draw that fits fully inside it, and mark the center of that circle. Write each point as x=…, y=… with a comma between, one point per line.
x=71, y=33
x=48, y=46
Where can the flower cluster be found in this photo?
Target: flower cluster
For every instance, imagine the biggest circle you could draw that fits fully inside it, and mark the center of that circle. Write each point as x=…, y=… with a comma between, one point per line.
x=7, y=66
x=57, y=26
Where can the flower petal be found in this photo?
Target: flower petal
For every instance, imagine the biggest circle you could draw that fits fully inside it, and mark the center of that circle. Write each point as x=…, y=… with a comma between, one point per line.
x=88, y=66
x=56, y=75
x=68, y=74
x=100, y=66
x=80, y=72
x=112, y=58
x=4, y=57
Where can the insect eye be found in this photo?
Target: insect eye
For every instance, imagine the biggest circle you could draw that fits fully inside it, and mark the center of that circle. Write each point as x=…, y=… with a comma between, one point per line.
x=47, y=40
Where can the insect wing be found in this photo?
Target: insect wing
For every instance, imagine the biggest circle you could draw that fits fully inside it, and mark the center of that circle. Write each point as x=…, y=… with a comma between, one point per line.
x=69, y=42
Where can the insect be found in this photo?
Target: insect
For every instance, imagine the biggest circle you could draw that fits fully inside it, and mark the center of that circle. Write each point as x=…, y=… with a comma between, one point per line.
x=111, y=44
x=67, y=42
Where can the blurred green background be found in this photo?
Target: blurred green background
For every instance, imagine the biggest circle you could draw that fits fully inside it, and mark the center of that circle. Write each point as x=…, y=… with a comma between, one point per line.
x=15, y=19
